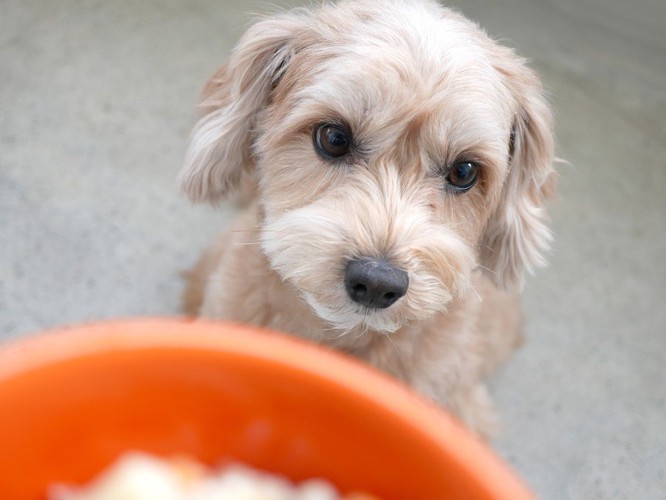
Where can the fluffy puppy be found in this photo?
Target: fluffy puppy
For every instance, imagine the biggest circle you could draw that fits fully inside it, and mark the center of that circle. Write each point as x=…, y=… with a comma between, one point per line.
x=394, y=162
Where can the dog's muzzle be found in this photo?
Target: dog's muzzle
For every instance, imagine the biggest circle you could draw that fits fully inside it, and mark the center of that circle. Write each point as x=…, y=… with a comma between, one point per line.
x=375, y=283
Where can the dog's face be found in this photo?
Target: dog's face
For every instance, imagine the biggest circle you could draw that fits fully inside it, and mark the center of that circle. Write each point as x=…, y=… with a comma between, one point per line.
x=396, y=149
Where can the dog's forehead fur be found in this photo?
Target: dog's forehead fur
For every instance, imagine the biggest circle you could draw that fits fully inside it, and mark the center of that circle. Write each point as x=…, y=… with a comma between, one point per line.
x=420, y=81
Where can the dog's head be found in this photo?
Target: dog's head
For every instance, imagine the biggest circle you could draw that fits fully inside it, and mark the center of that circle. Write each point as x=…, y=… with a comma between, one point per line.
x=396, y=148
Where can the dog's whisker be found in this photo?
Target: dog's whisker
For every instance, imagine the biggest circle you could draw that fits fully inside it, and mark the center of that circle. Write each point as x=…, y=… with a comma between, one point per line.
x=363, y=331
x=486, y=269
x=398, y=353
x=344, y=333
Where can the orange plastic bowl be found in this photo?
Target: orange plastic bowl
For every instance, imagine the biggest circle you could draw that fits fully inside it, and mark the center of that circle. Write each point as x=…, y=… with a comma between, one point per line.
x=73, y=400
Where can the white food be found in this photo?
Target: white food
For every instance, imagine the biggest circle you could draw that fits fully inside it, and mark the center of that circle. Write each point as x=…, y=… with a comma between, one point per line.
x=139, y=476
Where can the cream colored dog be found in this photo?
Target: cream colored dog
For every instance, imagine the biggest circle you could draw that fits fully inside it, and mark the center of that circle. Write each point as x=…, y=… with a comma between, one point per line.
x=394, y=162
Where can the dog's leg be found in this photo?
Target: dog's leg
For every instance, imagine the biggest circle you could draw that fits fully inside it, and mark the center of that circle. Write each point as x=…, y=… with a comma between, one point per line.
x=500, y=325
x=474, y=407
x=453, y=383
x=196, y=278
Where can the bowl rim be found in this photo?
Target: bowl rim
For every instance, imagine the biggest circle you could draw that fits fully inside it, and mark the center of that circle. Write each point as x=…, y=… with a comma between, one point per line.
x=39, y=351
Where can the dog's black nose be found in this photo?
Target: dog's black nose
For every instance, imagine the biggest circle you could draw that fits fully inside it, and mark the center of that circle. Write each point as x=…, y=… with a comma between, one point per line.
x=375, y=283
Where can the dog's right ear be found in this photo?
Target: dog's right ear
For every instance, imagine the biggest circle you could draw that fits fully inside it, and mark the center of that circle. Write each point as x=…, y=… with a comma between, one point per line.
x=220, y=144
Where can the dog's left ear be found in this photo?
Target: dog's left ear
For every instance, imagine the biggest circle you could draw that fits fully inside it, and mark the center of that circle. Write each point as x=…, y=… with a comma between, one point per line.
x=219, y=154
x=517, y=234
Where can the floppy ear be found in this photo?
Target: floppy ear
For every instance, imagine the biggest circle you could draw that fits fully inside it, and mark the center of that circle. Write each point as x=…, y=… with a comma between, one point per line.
x=219, y=153
x=517, y=234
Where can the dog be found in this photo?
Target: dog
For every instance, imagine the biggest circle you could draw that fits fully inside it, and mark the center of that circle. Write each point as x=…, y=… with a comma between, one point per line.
x=393, y=164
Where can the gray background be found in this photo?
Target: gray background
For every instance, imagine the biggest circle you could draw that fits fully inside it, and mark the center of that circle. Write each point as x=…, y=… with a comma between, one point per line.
x=96, y=101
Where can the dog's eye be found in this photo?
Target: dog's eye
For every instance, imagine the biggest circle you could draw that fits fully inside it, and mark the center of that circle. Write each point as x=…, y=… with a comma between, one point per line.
x=332, y=141
x=462, y=176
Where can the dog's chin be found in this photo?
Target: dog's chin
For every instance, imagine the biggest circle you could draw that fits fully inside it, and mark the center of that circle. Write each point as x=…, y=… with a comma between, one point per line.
x=349, y=318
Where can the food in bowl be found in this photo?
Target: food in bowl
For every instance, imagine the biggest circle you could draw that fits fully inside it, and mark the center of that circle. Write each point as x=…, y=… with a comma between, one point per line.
x=141, y=476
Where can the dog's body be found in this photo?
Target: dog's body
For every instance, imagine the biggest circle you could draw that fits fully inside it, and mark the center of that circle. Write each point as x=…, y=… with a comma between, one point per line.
x=394, y=162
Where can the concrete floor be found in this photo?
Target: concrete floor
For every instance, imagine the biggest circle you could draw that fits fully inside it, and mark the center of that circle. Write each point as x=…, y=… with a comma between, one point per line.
x=96, y=102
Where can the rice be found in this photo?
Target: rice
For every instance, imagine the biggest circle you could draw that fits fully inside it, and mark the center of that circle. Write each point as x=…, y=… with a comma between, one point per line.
x=140, y=476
